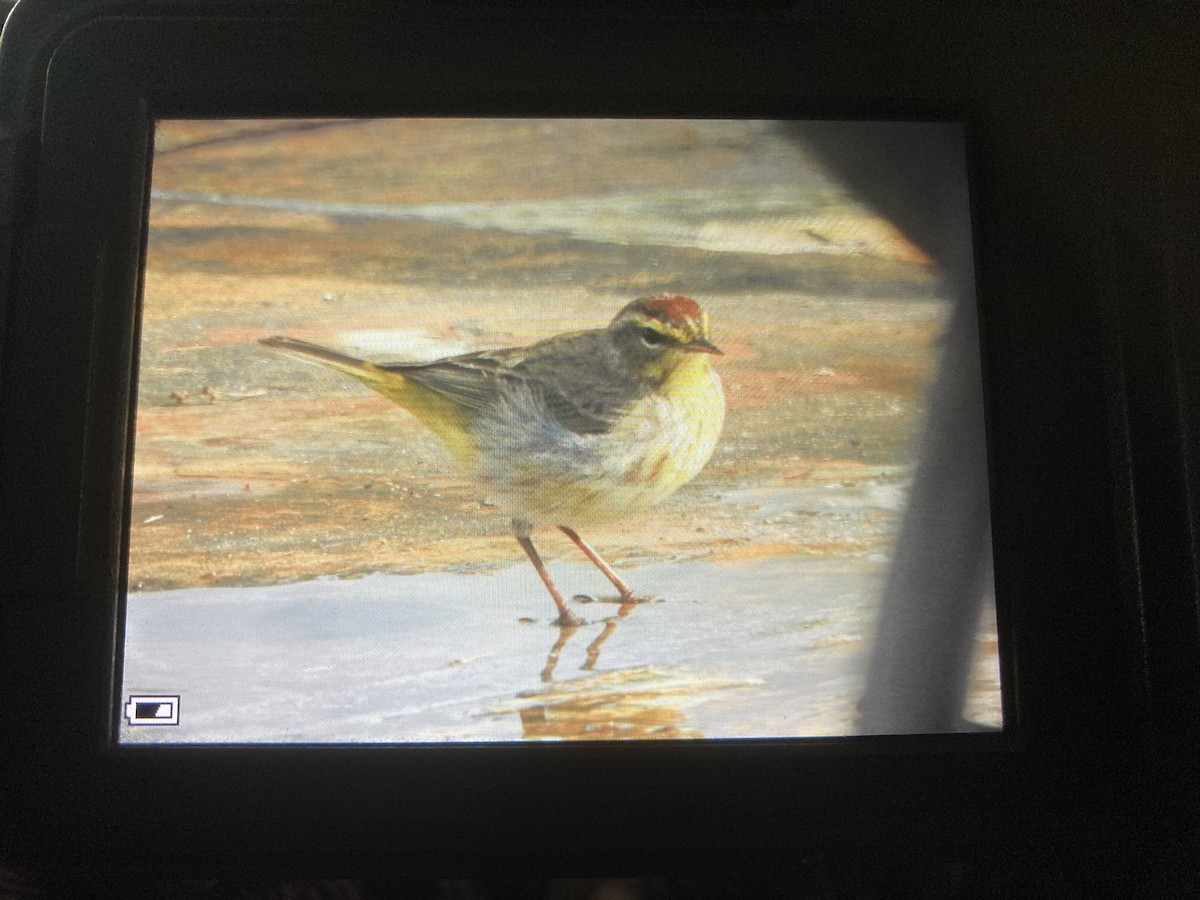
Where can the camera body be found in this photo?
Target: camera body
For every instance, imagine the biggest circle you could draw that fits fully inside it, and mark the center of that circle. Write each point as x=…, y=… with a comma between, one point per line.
x=1095, y=589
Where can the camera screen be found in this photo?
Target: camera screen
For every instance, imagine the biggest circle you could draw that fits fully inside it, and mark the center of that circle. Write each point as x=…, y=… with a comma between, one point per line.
x=479, y=430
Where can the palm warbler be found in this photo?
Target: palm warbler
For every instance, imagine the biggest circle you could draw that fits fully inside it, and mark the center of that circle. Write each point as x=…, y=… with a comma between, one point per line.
x=584, y=427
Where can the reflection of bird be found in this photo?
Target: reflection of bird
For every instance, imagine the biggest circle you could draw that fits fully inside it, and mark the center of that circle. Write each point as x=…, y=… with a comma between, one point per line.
x=584, y=427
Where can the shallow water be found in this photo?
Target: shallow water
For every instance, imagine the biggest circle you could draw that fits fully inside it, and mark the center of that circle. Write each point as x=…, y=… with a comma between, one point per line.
x=761, y=648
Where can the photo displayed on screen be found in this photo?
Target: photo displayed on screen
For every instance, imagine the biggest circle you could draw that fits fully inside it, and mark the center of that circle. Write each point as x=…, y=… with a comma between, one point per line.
x=477, y=430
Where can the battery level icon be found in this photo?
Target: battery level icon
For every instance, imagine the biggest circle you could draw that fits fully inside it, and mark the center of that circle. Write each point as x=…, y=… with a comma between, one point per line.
x=158, y=710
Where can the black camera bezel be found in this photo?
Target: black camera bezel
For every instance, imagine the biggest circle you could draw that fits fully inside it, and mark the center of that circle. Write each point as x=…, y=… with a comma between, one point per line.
x=77, y=223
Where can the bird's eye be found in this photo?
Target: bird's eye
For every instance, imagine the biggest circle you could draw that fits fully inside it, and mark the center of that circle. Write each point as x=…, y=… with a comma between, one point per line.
x=652, y=338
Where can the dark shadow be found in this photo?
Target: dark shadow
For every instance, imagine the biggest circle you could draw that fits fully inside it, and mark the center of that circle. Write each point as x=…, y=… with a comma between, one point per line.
x=915, y=175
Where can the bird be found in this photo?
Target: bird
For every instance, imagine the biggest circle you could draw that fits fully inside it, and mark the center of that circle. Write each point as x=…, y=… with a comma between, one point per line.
x=581, y=428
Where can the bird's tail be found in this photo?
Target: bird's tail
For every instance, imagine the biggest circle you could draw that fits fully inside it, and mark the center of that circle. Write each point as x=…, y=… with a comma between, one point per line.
x=448, y=420
x=349, y=365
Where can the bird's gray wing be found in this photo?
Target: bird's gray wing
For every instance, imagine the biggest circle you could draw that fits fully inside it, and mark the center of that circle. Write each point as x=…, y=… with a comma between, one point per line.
x=574, y=376
x=474, y=380
x=581, y=383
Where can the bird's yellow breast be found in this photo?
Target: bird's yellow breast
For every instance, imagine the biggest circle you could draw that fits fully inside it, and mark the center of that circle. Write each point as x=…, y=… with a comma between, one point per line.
x=661, y=443
x=687, y=412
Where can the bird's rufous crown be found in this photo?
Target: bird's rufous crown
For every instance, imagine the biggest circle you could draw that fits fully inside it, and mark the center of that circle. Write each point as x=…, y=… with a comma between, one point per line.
x=671, y=308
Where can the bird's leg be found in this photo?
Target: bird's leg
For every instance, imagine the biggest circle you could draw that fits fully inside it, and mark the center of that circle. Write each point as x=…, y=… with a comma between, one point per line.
x=565, y=617
x=627, y=594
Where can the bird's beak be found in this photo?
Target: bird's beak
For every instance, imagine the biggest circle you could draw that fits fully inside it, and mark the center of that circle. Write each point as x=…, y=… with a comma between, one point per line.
x=702, y=345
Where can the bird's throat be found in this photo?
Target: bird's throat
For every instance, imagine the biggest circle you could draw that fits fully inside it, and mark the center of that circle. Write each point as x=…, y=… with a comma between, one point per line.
x=689, y=377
